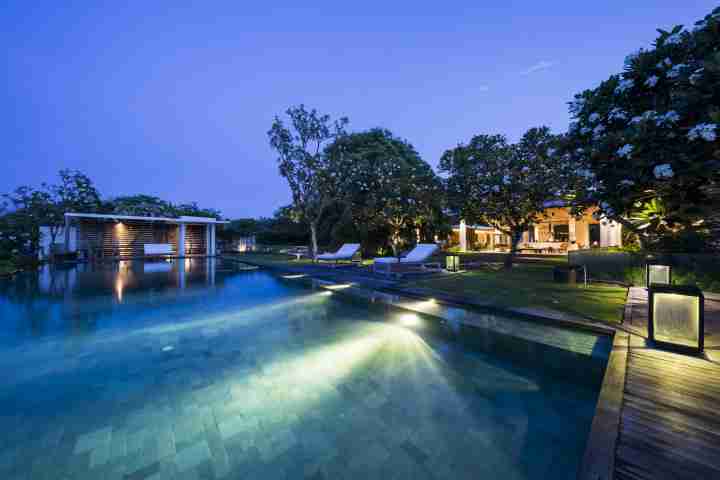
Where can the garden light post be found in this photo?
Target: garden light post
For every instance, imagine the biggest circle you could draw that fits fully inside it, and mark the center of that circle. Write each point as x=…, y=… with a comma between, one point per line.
x=676, y=317
x=452, y=263
x=657, y=272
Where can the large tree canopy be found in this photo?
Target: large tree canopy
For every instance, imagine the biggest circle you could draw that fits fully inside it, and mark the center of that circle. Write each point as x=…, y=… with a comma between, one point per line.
x=151, y=206
x=647, y=139
x=30, y=208
x=303, y=163
x=505, y=185
x=385, y=186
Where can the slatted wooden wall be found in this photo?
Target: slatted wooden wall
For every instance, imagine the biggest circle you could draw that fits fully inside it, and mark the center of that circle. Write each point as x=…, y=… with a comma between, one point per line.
x=195, y=240
x=126, y=239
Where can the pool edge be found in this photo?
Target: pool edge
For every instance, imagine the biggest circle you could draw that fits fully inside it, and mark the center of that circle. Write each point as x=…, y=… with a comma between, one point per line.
x=598, y=461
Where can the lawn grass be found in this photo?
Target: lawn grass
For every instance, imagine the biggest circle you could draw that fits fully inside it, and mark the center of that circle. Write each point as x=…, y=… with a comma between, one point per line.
x=532, y=286
x=526, y=285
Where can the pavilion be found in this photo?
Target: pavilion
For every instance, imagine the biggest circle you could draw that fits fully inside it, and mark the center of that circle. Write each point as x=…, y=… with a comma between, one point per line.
x=110, y=236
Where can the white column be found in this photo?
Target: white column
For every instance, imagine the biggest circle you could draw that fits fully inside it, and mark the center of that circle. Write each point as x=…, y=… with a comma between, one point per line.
x=181, y=240
x=571, y=230
x=208, y=240
x=67, y=235
x=606, y=234
x=210, y=270
x=212, y=247
x=610, y=233
x=181, y=266
x=463, y=236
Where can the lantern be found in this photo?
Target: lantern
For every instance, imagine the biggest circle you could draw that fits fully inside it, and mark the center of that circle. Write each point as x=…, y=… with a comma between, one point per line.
x=657, y=272
x=452, y=263
x=676, y=316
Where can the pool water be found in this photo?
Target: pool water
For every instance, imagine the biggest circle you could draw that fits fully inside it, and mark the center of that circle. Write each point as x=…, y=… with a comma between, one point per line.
x=199, y=369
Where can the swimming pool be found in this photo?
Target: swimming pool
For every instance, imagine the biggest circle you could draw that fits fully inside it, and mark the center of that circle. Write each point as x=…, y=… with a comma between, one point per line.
x=199, y=369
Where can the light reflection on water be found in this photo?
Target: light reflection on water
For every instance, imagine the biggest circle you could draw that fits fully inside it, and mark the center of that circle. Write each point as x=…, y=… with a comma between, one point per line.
x=277, y=378
x=80, y=299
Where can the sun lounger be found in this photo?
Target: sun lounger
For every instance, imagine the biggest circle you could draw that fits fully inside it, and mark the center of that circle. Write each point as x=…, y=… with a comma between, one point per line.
x=346, y=252
x=417, y=258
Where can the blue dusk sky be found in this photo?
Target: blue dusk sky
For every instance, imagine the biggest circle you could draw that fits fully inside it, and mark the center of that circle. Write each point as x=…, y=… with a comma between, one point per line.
x=174, y=99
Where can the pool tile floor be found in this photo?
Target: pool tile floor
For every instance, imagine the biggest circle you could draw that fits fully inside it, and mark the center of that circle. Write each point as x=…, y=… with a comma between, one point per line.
x=322, y=392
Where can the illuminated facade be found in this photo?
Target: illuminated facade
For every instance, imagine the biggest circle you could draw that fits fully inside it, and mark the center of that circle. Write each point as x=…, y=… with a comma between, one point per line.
x=555, y=230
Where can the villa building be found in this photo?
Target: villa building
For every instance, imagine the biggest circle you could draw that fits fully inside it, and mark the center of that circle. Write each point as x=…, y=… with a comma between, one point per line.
x=126, y=236
x=555, y=230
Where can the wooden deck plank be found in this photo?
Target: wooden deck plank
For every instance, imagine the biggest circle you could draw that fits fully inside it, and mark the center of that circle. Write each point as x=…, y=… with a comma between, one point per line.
x=670, y=422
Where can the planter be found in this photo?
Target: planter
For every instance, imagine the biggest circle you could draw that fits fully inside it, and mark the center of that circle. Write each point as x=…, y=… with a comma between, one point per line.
x=570, y=274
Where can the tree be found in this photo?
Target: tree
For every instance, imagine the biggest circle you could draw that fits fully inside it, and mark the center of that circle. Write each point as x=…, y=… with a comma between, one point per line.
x=384, y=185
x=504, y=185
x=74, y=193
x=151, y=206
x=193, y=210
x=648, y=138
x=28, y=211
x=461, y=166
x=301, y=158
x=140, y=205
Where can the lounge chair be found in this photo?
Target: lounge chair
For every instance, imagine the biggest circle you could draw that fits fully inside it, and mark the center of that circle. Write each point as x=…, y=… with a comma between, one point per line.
x=415, y=259
x=346, y=252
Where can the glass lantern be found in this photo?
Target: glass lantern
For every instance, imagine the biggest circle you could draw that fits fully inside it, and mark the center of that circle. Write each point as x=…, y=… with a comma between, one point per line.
x=657, y=272
x=676, y=317
x=452, y=263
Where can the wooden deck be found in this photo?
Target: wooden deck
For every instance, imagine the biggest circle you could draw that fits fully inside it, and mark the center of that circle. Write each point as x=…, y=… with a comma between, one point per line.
x=670, y=416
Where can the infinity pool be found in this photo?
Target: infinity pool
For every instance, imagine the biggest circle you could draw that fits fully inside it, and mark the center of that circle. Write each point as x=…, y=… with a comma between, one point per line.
x=199, y=369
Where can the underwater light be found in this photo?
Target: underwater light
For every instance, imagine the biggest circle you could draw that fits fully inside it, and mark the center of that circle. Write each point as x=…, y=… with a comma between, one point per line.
x=290, y=277
x=338, y=286
x=409, y=319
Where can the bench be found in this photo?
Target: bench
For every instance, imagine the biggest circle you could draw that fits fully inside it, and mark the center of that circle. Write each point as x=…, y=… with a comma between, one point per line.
x=158, y=249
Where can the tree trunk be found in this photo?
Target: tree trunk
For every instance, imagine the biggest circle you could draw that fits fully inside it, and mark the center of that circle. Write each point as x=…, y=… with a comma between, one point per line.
x=515, y=237
x=54, y=230
x=313, y=240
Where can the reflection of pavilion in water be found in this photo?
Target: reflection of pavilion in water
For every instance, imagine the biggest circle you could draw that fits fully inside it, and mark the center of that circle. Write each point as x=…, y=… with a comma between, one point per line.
x=123, y=277
x=79, y=299
x=87, y=293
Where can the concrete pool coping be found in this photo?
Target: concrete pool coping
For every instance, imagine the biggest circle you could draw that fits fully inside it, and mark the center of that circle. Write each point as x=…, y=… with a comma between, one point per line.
x=598, y=462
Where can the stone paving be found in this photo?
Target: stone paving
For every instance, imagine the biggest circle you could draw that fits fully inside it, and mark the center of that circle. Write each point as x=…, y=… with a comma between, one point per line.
x=308, y=388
